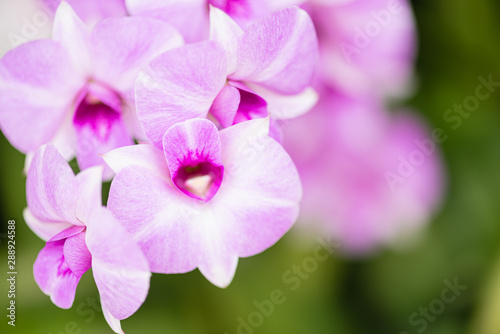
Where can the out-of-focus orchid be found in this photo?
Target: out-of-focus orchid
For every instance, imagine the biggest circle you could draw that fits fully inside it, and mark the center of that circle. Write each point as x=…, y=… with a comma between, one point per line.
x=65, y=210
x=190, y=17
x=208, y=198
x=367, y=47
x=370, y=178
x=240, y=75
x=76, y=90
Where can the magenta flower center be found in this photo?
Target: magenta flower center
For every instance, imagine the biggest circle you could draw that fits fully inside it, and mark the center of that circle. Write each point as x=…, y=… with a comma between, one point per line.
x=200, y=181
x=98, y=109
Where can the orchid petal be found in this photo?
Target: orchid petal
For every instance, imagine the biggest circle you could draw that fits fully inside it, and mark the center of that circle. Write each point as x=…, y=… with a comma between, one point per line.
x=143, y=155
x=38, y=84
x=279, y=52
x=120, y=269
x=74, y=35
x=77, y=255
x=227, y=33
x=179, y=85
x=89, y=187
x=121, y=47
x=262, y=189
x=44, y=230
x=160, y=219
x=287, y=106
x=67, y=233
x=51, y=188
x=53, y=275
x=174, y=12
x=218, y=263
x=112, y=321
x=226, y=105
x=251, y=106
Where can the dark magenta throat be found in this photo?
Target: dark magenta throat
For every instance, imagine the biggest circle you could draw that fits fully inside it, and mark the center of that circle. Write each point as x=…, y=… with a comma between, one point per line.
x=200, y=181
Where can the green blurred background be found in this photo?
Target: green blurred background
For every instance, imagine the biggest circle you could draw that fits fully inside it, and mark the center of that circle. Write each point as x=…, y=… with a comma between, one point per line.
x=459, y=41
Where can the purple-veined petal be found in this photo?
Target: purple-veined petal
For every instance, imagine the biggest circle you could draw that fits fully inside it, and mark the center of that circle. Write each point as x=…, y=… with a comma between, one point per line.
x=131, y=121
x=51, y=188
x=259, y=198
x=77, y=255
x=67, y=233
x=179, y=85
x=53, y=275
x=174, y=12
x=74, y=35
x=287, y=106
x=192, y=152
x=251, y=106
x=219, y=262
x=37, y=86
x=227, y=33
x=121, y=47
x=160, y=219
x=143, y=155
x=44, y=230
x=89, y=187
x=279, y=52
x=226, y=105
x=120, y=269
x=112, y=321
x=65, y=138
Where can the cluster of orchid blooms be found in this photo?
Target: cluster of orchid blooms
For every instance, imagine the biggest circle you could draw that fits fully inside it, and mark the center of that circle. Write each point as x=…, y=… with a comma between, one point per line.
x=188, y=107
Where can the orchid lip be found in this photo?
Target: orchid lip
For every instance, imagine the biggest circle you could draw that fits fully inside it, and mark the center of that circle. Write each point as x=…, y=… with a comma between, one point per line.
x=192, y=150
x=200, y=181
x=63, y=269
x=97, y=107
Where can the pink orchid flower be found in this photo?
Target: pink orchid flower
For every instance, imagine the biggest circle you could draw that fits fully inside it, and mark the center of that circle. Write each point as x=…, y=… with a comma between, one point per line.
x=65, y=210
x=76, y=89
x=382, y=174
x=182, y=13
x=367, y=47
x=240, y=75
x=207, y=198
